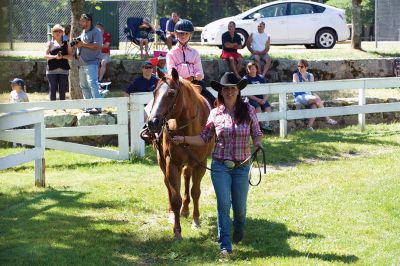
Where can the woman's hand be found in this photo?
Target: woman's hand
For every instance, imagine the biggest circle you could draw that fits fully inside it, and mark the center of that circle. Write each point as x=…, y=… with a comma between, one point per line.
x=258, y=144
x=178, y=140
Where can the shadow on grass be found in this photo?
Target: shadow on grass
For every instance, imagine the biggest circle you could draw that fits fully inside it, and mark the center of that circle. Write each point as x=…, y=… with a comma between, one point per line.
x=55, y=227
x=320, y=144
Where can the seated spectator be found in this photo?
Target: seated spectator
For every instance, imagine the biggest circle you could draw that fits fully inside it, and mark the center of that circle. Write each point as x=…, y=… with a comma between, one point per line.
x=258, y=44
x=259, y=102
x=306, y=98
x=105, y=51
x=161, y=68
x=18, y=94
x=231, y=42
x=143, y=37
x=146, y=82
x=67, y=33
x=170, y=30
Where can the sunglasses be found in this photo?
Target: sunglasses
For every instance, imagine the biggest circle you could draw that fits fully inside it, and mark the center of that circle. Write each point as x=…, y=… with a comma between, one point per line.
x=147, y=67
x=300, y=66
x=57, y=31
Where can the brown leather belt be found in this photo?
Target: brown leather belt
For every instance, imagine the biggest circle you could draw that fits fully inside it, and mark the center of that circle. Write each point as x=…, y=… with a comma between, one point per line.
x=231, y=163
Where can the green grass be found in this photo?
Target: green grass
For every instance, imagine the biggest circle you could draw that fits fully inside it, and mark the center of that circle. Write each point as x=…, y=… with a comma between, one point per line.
x=336, y=204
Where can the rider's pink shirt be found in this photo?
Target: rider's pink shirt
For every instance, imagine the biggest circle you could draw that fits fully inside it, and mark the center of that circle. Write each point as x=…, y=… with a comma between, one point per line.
x=186, y=61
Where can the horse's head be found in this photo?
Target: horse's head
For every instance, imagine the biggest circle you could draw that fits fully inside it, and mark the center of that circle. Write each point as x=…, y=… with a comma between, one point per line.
x=165, y=101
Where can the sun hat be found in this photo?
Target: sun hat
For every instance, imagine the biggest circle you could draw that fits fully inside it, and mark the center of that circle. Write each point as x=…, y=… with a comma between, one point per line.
x=57, y=27
x=228, y=80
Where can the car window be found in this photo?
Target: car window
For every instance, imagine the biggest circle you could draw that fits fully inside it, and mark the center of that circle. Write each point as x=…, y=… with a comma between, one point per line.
x=273, y=11
x=301, y=9
x=318, y=9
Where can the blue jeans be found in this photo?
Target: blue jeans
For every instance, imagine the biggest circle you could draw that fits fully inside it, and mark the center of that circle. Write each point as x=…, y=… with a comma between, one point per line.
x=88, y=76
x=231, y=188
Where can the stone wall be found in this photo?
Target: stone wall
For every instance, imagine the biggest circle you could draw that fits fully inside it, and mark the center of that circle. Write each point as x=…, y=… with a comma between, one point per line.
x=122, y=72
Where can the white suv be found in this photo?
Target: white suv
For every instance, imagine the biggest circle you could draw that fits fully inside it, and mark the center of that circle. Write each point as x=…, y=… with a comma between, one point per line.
x=287, y=22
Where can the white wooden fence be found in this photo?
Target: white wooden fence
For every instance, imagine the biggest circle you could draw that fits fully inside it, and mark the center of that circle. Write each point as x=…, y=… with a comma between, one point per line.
x=25, y=136
x=22, y=118
x=283, y=115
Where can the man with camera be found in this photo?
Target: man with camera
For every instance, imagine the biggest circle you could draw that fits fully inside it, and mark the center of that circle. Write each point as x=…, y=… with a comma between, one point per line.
x=89, y=46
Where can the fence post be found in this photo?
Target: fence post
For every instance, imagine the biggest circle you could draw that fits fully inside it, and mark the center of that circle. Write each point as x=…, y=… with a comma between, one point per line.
x=283, y=109
x=361, y=101
x=40, y=178
x=137, y=122
x=123, y=135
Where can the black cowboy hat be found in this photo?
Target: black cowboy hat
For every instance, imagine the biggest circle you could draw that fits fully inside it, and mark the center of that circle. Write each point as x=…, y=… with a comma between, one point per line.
x=228, y=80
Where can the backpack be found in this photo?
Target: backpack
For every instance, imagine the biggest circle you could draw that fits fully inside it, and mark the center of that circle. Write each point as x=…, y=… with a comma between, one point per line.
x=396, y=67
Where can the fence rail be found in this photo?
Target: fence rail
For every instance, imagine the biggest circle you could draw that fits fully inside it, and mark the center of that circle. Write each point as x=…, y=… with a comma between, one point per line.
x=283, y=115
x=121, y=128
x=23, y=118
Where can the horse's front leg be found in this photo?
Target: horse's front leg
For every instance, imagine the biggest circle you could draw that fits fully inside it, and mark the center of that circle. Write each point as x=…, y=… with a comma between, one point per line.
x=173, y=175
x=187, y=172
x=197, y=175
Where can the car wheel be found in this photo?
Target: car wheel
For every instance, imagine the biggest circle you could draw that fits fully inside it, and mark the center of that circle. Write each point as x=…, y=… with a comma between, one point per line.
x=243, y=35
x=325, y=39
x=310, y=46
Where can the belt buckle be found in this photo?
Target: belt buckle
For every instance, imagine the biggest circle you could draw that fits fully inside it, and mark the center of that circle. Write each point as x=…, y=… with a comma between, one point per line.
x=229, y=164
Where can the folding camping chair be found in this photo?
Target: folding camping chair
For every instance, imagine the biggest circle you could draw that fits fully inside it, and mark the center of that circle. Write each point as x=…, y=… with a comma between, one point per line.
x=132, y=31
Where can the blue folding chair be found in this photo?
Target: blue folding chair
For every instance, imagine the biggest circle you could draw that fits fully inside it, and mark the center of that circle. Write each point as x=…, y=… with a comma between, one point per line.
x=132, y=32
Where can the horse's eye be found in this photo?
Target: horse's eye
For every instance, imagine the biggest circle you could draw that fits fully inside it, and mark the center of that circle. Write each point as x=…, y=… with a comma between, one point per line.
x=171, y=93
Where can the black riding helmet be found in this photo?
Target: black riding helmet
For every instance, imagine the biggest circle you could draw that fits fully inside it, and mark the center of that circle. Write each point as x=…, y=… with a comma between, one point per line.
x=184, y=25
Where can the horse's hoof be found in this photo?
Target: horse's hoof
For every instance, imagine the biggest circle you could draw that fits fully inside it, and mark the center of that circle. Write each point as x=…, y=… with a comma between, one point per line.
x=177, y=237
x=196, y=224
x=185, y=214
x=171, y=218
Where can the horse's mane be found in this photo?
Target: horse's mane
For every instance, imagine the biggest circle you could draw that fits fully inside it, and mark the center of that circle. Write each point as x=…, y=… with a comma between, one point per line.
x=191, y=90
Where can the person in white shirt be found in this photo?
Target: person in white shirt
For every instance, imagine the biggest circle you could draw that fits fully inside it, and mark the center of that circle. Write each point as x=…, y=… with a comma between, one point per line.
x=258, y=44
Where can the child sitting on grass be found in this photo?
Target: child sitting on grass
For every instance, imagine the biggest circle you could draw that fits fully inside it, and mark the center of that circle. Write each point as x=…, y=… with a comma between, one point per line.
x=18, y=94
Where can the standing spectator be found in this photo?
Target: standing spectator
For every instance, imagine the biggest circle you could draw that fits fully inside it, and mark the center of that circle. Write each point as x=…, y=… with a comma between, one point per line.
x=231, y=42
x=232, y=122
x=105, y=51
x=18, y=94
x=67, y=33
x=170, y=28
x=258, y=44
x=143, y=37
x=89, y=54
x=186, y=60
x=147, y=82
x=259, y=102
x=306, y=98
x=57, y=54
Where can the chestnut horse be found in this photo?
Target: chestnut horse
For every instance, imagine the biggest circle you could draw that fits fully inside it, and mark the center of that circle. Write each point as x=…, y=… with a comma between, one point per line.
x=179, y=109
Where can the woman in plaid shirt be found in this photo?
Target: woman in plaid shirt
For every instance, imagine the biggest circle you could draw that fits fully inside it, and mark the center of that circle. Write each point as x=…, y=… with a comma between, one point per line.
x=233, y=122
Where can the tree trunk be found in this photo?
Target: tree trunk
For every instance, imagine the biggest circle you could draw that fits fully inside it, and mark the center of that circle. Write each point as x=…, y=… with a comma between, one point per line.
x=356, y=25
x=77, y=8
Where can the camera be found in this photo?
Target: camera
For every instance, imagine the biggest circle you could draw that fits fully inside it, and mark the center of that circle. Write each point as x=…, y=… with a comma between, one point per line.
x=75, y=41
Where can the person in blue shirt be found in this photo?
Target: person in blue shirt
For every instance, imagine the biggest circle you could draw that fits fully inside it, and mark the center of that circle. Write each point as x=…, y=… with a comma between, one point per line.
x=259, y=102
x=307, y=98
x=170, y=30
x=147, y=82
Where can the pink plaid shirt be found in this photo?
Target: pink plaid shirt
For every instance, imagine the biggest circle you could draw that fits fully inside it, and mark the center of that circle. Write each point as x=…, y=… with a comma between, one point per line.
x=186, y=61
x=232, y=141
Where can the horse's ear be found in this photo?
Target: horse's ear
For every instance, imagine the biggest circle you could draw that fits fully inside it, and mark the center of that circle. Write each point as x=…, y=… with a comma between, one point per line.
x=175, y=75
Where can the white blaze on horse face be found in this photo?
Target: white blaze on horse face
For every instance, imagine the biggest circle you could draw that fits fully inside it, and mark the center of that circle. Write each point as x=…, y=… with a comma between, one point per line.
x=157, y=102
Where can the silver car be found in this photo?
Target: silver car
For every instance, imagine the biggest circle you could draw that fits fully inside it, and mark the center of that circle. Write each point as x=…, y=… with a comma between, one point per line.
x=287, y=22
